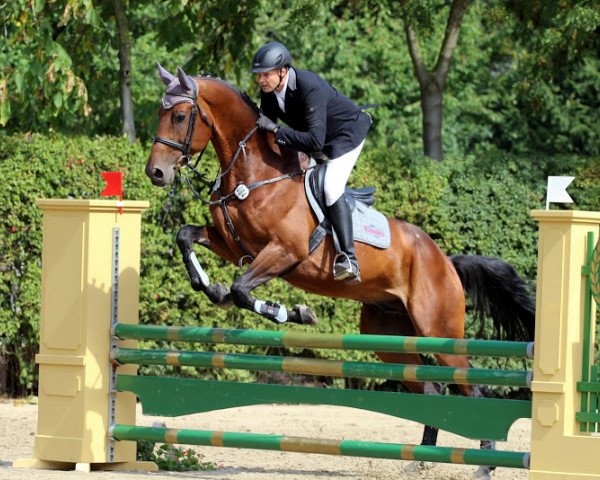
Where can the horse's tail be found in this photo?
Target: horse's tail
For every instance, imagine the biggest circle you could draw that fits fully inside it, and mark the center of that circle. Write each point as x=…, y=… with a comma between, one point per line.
x=496, y=290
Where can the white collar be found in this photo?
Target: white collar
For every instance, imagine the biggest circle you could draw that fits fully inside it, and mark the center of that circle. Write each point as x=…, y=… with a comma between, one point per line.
x=291, y=79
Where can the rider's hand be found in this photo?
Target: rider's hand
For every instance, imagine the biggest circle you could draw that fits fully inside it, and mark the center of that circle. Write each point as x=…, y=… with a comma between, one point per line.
x=265, y=123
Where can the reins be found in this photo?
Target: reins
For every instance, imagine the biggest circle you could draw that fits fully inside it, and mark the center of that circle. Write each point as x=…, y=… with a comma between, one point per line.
x=217, y=180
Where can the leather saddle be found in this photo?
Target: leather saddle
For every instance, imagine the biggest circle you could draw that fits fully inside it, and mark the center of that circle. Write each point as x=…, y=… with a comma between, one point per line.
x=364, y=195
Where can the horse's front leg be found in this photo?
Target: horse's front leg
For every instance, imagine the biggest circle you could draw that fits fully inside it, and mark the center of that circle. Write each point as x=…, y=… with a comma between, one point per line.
x=208, y=237
x=272, y=261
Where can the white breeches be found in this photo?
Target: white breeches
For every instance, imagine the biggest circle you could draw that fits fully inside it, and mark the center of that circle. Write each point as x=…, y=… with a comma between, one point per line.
x=338, y=171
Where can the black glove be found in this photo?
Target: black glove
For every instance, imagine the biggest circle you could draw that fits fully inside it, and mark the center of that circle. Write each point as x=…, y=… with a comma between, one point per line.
x=265, y=123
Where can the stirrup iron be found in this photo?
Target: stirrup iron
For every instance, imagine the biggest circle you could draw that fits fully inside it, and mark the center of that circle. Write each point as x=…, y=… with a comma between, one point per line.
x=344, y=268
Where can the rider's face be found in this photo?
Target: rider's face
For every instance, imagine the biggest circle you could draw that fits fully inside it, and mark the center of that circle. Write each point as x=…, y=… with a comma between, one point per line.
x=269, y=81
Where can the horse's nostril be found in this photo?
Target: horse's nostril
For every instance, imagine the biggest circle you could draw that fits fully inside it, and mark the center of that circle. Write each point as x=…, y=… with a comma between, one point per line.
x=157, y=174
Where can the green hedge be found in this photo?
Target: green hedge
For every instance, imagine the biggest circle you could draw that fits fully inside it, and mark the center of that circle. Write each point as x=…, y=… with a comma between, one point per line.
x=468, y=205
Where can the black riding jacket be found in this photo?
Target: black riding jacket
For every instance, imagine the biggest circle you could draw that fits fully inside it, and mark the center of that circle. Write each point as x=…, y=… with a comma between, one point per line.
x=321, y=119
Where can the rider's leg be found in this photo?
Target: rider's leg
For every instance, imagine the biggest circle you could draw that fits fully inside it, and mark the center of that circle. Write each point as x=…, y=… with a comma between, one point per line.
x=345, y=265
x=338, y=170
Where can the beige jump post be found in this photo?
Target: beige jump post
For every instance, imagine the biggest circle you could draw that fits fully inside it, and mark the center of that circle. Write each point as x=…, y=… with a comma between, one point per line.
x=558, y=448
x=75, y=336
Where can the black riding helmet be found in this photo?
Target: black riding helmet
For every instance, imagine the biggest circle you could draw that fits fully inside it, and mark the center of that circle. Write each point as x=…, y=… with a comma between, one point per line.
x=271, y=56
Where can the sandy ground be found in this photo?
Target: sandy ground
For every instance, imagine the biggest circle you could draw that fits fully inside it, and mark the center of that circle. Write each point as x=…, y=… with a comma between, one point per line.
x=18, y=425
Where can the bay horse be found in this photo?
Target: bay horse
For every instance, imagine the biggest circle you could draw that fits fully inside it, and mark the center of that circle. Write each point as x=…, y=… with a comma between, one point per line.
x=260, y=213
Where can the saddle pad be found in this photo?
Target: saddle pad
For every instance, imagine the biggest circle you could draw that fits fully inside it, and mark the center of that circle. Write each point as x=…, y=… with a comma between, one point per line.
x=369, y=225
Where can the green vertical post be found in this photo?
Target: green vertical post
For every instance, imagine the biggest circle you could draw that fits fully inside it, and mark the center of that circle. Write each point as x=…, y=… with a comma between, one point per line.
x=586, y=271
x=594, y=397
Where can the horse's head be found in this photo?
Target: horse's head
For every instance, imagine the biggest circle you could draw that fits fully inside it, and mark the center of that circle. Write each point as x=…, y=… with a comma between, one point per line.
x=183, y=128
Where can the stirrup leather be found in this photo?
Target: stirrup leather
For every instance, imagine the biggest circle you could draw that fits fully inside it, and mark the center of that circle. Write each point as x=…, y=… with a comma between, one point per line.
x=344, y=268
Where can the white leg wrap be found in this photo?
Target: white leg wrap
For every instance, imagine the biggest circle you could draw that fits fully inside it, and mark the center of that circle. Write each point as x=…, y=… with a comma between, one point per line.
x=273, y=311
x=199, y=270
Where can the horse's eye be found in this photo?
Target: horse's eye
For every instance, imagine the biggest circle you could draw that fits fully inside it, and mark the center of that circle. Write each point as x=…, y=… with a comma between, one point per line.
x=179, y=117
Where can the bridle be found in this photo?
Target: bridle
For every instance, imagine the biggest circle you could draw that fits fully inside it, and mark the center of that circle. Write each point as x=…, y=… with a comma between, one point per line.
x=186, y=147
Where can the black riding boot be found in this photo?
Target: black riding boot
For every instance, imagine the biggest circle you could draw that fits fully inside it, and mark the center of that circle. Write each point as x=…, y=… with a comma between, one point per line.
x=345, y=265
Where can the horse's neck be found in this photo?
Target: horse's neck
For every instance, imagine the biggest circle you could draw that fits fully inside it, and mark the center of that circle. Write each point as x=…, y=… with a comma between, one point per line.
x=234, y=120
x=255, y=162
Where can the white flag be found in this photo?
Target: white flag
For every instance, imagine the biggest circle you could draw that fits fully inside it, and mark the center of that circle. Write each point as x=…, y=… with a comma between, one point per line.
x=557, y=190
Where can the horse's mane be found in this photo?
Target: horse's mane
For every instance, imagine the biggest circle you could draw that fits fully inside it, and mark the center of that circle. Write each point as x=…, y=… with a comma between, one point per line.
x=250, y=102
x=247, y=100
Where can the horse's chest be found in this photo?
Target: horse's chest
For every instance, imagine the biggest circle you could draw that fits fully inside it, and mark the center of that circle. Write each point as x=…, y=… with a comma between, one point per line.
x=242, y=223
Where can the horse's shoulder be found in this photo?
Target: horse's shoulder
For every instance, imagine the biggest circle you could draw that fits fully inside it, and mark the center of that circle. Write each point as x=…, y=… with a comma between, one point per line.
x=287, y=154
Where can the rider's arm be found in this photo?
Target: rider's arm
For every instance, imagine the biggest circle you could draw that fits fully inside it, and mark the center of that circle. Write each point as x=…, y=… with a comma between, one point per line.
x=315, y=114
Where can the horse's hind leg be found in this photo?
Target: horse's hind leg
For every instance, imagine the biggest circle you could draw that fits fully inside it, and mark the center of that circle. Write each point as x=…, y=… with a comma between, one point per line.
x=385, y=320
x=459, y=361
x=437, y=308
x=208, y=237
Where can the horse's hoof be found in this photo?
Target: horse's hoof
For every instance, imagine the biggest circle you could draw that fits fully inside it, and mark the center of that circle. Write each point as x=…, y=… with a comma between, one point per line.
x=416, y=469
x=306, y=314
x=483, y=473
x=225, y=301
x=225, y=304
x=220, y=295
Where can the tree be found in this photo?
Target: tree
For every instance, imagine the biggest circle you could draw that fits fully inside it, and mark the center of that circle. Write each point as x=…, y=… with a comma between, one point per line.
x=526, y=76
x=555, y=72
x=58, y=50
x=432, y=82
x=38, y=73
x=125, y=69
x=54, y=53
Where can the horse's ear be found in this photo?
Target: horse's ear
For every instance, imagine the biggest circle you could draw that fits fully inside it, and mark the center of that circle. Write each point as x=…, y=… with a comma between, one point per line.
x=185, y=81
x=165, y=76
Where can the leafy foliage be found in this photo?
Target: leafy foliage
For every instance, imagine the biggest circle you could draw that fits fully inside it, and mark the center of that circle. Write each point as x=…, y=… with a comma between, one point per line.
x=554, y=76
x=521, y=102
x=524, y=77
x=39, y=72
x=172, y=458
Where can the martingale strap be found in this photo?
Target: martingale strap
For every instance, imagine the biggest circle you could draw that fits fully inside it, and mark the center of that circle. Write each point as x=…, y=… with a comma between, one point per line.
x=231, y=226
x=224, y=200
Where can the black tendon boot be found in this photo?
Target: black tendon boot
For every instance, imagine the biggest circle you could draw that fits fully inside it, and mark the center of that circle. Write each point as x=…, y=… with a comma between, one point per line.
x=345, y=265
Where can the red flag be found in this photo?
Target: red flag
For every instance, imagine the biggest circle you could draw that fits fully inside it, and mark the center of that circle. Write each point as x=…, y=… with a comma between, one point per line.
x=114, y=184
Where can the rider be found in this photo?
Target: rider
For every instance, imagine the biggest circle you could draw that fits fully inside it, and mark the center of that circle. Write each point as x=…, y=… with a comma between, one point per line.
x=322, y=122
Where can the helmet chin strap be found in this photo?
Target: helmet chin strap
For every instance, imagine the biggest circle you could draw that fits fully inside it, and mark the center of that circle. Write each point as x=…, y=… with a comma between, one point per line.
x=280, y=80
